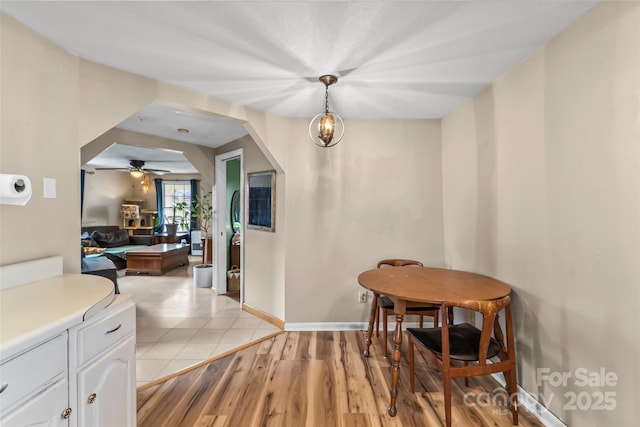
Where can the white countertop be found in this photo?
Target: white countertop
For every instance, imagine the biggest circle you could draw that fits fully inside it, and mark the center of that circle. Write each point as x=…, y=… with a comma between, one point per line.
x=32, y=312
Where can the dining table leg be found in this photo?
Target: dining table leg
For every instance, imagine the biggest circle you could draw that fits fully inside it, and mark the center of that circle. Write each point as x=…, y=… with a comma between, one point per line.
x=400, y=307
x=372, y=316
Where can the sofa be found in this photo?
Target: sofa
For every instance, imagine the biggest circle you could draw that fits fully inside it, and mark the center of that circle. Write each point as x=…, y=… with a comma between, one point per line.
x=115, y=241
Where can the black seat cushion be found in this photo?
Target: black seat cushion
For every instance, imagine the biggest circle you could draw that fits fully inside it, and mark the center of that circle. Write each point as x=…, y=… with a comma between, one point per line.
x=111, y=240
x=464, y=341
x=387, y=304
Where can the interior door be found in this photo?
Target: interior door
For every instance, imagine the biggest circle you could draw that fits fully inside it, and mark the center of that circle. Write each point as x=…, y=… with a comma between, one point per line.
x=221, y=219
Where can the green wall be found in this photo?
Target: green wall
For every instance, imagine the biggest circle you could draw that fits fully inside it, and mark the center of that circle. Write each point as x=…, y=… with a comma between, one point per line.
x=233, y=184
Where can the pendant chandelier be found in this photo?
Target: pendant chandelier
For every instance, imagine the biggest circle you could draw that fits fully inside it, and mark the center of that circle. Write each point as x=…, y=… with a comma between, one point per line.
x=145, y=184
x=326, y=129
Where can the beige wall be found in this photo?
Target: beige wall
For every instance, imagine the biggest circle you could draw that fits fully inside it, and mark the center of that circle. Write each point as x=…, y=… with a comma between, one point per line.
x=263, y=262
x=542, y=190
x=375, y=195
x=38, y=138
x=539, y=174
x=108, y=97
x=339, y=212
x=105, y=192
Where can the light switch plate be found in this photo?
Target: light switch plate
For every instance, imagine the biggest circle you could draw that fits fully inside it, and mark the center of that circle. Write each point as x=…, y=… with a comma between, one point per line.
x=49, y=188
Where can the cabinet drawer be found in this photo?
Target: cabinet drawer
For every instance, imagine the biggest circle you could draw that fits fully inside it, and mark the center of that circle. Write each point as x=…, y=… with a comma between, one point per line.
x=33, y=371
x=103, y=332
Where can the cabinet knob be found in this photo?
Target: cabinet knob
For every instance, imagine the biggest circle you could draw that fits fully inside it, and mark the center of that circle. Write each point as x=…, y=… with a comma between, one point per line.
x=66, y=413
x=3, y=387
x=92, y=398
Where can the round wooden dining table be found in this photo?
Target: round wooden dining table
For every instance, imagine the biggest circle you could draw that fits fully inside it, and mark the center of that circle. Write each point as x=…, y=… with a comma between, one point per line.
x=410, y=285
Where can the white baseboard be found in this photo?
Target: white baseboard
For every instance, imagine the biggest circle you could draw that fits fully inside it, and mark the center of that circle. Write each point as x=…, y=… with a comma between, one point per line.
x=545, y=416
x=344, y=326
x=326, y=326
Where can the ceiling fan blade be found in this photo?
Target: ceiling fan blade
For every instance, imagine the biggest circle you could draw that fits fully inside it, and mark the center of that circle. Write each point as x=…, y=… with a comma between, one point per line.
x=137, y=165
x=155, y=170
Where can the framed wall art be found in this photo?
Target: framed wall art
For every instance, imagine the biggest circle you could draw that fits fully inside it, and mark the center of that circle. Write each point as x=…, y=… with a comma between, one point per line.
x=261, y=201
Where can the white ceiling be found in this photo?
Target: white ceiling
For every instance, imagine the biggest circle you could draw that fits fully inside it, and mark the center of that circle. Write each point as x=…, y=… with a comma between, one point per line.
x=164, y=121
x=394, y=59
x=119, y=156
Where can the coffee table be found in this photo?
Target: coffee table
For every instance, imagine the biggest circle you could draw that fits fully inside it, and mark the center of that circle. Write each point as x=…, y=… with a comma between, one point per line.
x=157, y=259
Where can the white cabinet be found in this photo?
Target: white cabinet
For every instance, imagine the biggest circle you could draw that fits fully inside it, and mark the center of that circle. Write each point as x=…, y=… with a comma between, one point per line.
x=106, y=389
x=46, y=409
x=35, y=386
x=83, y=376
x=30, y=372
x=102, y=364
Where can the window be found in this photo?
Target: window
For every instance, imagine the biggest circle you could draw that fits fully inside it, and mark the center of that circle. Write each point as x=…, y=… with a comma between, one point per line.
x=177, y=194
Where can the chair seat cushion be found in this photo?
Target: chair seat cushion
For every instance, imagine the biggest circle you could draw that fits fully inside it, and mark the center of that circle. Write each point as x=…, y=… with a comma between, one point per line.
x=387, y=304
x=464, y=341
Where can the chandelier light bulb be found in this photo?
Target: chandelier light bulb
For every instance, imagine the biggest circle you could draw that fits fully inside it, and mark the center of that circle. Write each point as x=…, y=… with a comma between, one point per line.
x=326, y=128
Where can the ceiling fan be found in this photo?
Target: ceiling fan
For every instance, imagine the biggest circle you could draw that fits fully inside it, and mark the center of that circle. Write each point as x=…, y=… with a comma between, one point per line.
x=137, y=169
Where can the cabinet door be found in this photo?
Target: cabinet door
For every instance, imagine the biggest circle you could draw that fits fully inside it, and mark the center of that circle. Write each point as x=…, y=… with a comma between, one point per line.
x=43, y=410
x=106, y=388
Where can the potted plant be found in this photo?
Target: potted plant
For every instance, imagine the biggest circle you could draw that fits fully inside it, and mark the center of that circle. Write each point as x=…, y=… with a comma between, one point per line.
x=203, y=210
x=172, y=228
x=178, y=221
x=183, y=208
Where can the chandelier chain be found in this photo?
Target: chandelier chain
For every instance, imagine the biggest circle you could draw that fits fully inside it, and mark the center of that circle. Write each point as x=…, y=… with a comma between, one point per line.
x=326, y=99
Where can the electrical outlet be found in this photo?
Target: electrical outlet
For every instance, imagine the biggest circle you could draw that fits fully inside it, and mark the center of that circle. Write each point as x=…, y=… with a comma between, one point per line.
x=362, y=297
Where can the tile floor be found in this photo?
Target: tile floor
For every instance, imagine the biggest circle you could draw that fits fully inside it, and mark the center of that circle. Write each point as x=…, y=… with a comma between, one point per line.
x=179, y=325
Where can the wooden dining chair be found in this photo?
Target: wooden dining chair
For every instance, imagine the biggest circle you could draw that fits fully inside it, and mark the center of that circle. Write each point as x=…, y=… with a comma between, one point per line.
x=467, y=344
x=385, y=304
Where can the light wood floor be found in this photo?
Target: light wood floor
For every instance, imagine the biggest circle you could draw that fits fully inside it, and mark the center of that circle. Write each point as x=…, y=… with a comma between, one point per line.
x=314, y=379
